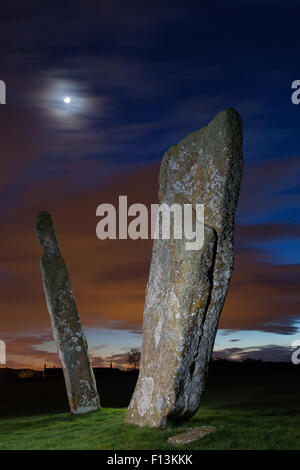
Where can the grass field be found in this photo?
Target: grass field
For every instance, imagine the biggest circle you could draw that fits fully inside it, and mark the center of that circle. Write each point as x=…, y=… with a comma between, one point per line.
x=253, y=410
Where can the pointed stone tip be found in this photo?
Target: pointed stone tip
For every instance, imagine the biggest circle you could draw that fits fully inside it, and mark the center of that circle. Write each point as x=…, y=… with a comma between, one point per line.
x=43, y=215
x=43, y=221
x=230, y=113
x=44, y=230
x=227, y=120
x=227, y=123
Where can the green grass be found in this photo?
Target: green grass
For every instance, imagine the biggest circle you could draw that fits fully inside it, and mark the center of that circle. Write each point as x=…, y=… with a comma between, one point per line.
x=256, y=412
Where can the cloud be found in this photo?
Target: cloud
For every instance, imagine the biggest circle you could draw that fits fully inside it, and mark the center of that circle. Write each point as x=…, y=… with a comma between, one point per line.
x=268, y=352
x=18, y=149
x=262, y=295
x=247, y=234
x=270, y=188
x=137, y=88
x=27, y=350
x=109, y=277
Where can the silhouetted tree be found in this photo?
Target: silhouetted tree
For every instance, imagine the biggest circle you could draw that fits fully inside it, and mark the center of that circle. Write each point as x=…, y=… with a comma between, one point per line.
x=133, y=358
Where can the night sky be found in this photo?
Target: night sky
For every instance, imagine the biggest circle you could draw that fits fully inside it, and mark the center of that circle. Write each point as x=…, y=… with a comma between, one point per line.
x=141, y=76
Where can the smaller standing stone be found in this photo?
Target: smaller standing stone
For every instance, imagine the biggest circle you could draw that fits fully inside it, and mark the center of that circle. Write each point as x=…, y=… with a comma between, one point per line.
x=191, y=435
x=67, y=330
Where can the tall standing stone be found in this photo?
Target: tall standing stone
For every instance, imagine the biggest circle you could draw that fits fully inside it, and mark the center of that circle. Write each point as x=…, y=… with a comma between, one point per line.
x=187, y=289
x=67, y=330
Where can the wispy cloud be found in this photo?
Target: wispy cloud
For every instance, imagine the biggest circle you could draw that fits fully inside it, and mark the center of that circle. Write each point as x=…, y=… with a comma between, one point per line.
x=269, y=352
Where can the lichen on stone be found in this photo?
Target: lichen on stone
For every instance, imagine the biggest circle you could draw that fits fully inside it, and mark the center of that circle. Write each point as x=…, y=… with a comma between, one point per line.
x=186, y=289
x=66, y=325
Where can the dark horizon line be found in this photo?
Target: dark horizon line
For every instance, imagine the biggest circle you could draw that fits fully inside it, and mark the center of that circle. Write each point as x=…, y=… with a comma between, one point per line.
x=213, y=360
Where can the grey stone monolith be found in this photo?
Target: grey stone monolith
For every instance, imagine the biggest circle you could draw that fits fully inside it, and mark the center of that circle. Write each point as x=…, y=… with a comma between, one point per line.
x=67, y=330
x=186, y=289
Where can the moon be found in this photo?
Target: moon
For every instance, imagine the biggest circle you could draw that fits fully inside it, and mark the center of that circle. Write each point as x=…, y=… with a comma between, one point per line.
x=67, y=100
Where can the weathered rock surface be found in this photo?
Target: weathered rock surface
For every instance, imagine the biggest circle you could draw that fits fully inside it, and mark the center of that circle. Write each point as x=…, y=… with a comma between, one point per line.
x=67, y=330
x=191, y=435
x=187, y=289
